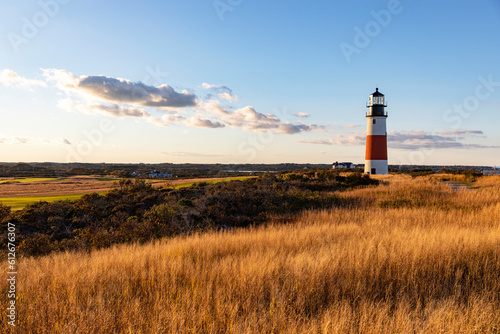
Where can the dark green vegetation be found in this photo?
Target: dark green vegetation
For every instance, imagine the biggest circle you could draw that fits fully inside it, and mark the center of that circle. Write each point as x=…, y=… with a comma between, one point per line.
x=187, y=170
x=50, y=169
x=137, y=212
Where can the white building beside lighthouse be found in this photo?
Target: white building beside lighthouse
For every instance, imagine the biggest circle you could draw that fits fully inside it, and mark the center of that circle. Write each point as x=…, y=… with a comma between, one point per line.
x=376, y=135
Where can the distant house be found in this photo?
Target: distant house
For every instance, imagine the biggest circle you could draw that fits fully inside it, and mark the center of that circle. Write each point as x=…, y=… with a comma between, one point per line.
x=493, y=171
x=155, y=174
x=342, y=165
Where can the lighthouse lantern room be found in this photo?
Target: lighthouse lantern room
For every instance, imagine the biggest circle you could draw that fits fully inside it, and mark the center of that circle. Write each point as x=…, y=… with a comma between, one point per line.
x=376, y=135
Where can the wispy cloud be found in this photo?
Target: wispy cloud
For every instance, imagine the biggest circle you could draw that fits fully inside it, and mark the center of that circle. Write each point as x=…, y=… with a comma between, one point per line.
x=9, y=78
x=203, y=123
x=409, y=140
x=120, y=110
x=33, y=141
x=14, y=140
x=213, y=106
x=223, y=92
x=461, y=133
x=301, y=114
x=166, y=120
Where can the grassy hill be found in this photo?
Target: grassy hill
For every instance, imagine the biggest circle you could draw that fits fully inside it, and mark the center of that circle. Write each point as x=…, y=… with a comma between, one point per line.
x=408, y=256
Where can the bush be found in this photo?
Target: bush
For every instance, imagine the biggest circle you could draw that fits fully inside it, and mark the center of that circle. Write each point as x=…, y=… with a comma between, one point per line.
x=186, y=203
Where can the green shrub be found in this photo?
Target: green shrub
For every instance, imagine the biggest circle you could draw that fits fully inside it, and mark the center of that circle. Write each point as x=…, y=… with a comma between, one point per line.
x=185, y=202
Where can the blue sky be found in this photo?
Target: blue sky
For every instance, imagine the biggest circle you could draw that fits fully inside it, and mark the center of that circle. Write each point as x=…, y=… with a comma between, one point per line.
x=240, y=81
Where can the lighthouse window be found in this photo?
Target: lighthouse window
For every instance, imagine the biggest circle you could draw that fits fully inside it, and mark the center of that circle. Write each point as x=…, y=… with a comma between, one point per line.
x=374, y=121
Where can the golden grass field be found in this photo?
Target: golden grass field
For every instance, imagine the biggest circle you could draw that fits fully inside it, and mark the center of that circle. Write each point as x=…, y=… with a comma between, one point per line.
x=409, y=256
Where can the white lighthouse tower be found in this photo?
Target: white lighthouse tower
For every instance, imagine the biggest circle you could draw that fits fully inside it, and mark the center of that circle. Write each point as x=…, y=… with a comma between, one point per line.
x=376, y=136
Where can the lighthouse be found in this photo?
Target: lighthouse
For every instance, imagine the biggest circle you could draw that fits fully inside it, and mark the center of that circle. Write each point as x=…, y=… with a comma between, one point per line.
x=376, y=135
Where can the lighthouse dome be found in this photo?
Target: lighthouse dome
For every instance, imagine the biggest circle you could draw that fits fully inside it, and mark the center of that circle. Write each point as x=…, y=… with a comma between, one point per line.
x=376, y=104
x=377, y=99
x=377, y=93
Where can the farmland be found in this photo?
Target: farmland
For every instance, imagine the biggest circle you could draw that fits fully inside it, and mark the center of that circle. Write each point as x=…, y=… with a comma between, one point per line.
x=411, y=255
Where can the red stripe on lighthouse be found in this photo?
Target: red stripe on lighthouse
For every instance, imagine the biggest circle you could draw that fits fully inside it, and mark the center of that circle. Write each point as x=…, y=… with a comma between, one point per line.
x=376, y=148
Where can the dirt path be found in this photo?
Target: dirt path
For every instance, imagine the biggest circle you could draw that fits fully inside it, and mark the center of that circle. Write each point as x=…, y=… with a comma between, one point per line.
x=457, y=185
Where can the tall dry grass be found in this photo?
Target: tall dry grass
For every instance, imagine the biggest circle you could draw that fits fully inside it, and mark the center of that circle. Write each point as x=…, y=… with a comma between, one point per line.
x=410, y=256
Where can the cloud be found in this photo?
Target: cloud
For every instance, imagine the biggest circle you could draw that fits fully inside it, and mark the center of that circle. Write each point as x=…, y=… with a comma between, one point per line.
x=121, y=110
x=214, y=107
x=219, y=88
x=460, y=133
x=99, y=94
x=227, y=96
x=166, y=120
x=224, y=92
x=93, y=94
x=62, y=79
x=203, y=123
x=14, y=140
x=34, y=141
x=136, y=93
x=250, y=119
x=290, y=129
x=88, y=107
x=248, y=114
x=121, y=90
x=10, y=78
x=301, y=114
x=409, y=140
x=173, y=118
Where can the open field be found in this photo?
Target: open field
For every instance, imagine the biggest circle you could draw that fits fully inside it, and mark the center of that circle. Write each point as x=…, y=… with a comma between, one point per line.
x=18, y=203
x=24, y=180
x=18, y=193
x=409, y=256
x=54, y=187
